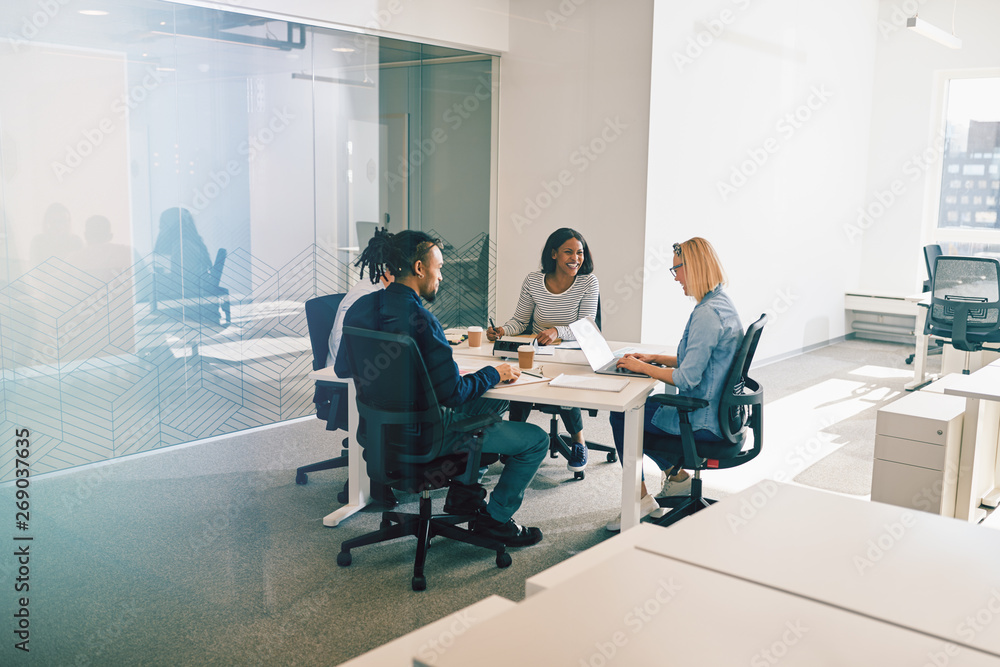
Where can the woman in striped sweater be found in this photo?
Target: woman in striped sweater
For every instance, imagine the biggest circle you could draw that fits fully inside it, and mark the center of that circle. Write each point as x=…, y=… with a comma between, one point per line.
x=564, y=291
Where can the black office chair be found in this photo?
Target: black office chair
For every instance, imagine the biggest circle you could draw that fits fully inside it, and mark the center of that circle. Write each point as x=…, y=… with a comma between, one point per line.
x=561, y=445
x=931, y=253
x=965, y=303
x=403, y=433
x=330, y=397
x=741, y=406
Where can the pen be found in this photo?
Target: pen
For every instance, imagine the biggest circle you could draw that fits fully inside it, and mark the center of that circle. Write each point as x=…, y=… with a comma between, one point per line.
x=493, y=326
x=534, y=375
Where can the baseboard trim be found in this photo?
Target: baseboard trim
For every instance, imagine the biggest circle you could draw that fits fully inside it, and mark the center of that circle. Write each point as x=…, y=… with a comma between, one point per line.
x=803, y=350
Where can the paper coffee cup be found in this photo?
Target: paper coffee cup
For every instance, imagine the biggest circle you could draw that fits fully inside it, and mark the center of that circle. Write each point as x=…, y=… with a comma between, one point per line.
x=475, y=336
x=526, y=357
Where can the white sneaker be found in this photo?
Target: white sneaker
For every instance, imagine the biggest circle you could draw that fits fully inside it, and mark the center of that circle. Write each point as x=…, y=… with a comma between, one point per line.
x=647, y=507
x=675, y=488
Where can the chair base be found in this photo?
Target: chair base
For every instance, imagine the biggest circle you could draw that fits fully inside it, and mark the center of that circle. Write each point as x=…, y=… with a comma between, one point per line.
x=301, y=476
x=682, y=509
x=423, y=526
x=561, y=445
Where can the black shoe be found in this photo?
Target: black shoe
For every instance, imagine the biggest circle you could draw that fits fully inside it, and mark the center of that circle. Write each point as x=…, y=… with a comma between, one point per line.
x=465, y=499
x=511, y=534
x=384, y=496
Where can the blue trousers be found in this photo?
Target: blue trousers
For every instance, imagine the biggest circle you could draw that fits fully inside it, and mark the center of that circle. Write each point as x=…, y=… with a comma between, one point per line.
x=669, y=449
x=524, y=445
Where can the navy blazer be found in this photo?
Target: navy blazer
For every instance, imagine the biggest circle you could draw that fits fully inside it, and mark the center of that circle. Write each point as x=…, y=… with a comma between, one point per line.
x=398, y=309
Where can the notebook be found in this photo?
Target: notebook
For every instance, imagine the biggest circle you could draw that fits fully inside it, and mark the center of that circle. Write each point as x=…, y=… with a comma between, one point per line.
x=584, y=382
x=599, y=355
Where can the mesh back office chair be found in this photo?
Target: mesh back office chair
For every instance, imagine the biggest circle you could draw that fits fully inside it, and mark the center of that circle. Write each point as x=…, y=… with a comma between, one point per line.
x=741, y=408
x=965, y=303
x=330, y=397
x=406, y=443
x=931, y=253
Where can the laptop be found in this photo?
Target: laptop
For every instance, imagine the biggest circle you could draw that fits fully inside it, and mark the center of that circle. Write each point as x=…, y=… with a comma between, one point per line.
x=599, y=355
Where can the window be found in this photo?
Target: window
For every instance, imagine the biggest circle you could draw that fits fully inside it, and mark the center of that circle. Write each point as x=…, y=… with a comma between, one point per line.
x=967, y=221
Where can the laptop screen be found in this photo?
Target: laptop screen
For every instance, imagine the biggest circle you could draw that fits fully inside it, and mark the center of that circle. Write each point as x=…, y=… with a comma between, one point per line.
x=592, y=342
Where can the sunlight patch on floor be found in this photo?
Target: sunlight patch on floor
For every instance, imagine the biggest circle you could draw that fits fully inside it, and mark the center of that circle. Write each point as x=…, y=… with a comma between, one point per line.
x=796, y=431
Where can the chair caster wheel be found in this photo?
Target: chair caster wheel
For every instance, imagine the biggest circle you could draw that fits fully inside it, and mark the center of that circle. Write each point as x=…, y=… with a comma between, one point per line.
x=612, y=457
x=553, y=455
x=579, y=475
x=419, y=583
x=504, y=560
x=301, y=478
x=344, y=558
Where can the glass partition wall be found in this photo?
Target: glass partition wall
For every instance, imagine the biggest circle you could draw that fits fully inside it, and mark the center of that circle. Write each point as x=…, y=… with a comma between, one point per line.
x=175, y=183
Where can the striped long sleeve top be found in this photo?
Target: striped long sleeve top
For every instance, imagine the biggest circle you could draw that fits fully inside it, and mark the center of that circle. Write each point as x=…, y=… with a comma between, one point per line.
x=543, y=309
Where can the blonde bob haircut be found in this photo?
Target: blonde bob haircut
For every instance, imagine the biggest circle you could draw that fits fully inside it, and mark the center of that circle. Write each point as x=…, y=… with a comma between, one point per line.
x=701, y=265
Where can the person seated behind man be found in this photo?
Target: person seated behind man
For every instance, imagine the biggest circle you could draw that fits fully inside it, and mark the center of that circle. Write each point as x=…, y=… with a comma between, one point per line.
x=372, y=261
x=415, y=260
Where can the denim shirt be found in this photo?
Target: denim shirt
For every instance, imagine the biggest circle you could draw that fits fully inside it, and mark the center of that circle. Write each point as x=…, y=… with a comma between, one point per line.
x=711, y=339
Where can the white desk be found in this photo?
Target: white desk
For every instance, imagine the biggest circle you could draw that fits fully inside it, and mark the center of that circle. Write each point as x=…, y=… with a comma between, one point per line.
x=358, y=484
x=916, y=570
x=630, y=401
x=638, y=608
x=977, y=465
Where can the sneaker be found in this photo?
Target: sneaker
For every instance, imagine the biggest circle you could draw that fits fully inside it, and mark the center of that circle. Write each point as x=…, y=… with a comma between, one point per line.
x=577, y=458
x=511, y=534
x=647, y=507
x=465, y=499
x=670, y=488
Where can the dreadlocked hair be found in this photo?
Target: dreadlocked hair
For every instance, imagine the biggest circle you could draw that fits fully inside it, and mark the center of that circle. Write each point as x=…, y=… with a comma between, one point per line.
x=375, y=256
x=407, y=247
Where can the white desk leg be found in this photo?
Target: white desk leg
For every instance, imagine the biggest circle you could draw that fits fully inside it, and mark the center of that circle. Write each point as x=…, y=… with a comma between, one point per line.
x=632, y=467
x=977, y=463
x=357, y=476
x=919, y=352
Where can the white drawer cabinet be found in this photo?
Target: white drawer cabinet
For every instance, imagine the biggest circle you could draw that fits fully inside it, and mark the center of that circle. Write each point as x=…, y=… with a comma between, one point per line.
x=917, y=443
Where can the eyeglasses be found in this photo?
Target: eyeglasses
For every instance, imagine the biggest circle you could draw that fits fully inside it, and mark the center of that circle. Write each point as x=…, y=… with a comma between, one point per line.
x=673, y=269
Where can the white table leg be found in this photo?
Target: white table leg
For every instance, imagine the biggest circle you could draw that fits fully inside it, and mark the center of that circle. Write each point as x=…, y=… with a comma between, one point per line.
x=919, y=352
x=358, y=484
x=632, y=467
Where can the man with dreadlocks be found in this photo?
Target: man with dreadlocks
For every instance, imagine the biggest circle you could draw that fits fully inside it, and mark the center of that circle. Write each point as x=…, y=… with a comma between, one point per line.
x=414, y=259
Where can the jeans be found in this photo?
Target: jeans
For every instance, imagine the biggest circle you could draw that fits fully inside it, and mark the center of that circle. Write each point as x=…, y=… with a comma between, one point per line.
x=524, y=445
x=572, y=417
x=670, y=450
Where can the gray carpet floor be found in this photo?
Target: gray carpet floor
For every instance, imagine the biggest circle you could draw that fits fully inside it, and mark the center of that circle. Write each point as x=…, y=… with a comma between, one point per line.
x=210, y=554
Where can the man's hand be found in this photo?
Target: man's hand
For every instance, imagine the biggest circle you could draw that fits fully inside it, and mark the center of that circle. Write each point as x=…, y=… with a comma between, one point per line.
x=547, y=336
x=508, y=373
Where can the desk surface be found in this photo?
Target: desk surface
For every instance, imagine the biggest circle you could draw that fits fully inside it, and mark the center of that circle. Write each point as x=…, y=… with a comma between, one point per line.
x=983, y=384
x=921, y=571
x=638, y=608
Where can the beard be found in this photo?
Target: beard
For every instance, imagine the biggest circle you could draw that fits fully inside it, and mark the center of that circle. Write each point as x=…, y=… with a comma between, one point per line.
x=430, y=296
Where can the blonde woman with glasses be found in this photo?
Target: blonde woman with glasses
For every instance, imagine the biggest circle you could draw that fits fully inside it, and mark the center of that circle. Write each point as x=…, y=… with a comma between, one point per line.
x=711, y=339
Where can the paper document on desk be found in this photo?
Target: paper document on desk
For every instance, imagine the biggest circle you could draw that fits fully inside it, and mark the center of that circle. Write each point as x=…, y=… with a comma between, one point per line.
x=464, y=368
x=568, y=345
x=545, y=350
x=587, y=382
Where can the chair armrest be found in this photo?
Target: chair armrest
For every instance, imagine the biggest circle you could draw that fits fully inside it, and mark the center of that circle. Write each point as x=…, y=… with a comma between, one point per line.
x=474, y=423
x=682, y=403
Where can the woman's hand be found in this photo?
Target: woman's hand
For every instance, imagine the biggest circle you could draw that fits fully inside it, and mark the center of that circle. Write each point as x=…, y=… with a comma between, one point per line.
x=493, y=334
x=547, y=336
x=633, y=363
x=645, y=358
x=508, y=373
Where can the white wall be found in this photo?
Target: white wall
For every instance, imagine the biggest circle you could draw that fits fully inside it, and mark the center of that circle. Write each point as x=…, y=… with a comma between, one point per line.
x=574, y=128
x=905, y=122
x=771, y=192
